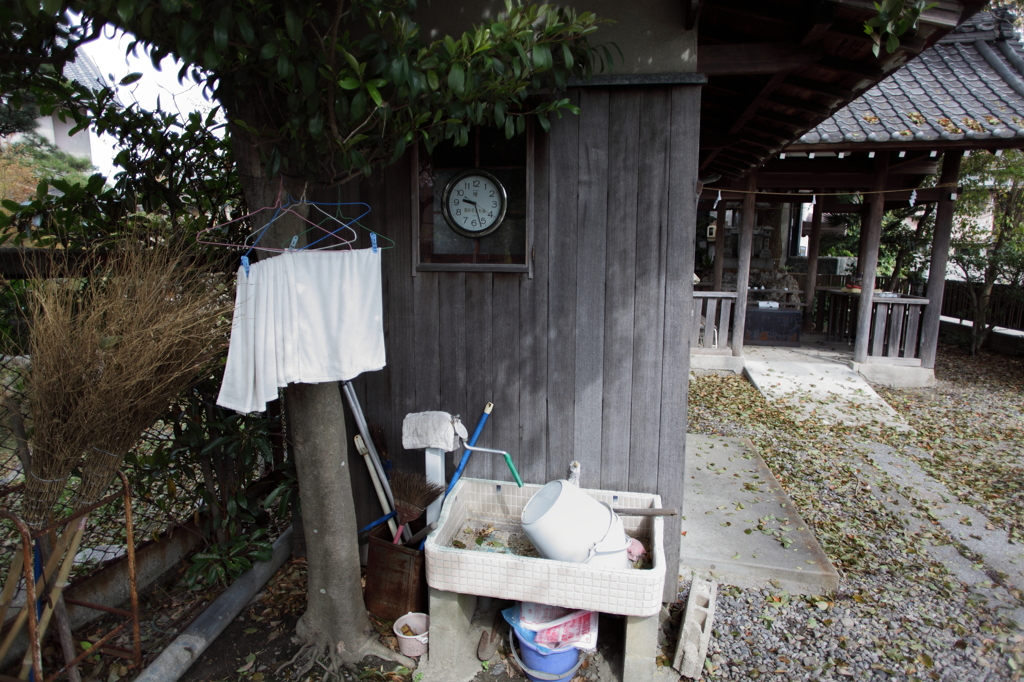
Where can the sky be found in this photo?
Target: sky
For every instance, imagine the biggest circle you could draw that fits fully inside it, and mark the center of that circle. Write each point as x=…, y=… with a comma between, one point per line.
x=109, y=54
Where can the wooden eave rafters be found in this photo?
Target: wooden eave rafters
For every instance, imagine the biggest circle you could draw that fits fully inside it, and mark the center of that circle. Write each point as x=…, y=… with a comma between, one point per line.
x=780, y=67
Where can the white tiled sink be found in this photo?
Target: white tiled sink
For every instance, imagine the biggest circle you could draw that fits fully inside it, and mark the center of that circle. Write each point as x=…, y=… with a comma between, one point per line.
x=629, y=591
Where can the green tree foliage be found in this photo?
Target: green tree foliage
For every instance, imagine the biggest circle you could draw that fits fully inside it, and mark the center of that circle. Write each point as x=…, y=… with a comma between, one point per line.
x=988, y=240
x=346, y=86
x=48, y=162
x=315, y=91
x=17, y=120
x=895, y=18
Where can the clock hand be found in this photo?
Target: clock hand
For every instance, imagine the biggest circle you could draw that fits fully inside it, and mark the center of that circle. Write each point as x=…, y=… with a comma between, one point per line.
x=475, y=207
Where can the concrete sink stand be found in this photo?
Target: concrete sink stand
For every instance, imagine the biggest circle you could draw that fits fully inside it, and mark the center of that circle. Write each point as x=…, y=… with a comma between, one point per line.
x=458, y=576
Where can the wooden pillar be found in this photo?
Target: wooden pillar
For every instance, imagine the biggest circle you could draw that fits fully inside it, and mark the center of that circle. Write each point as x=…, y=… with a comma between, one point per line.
x=743, y=273
x=871, y=233
x=813, y=246
x=865, y=213
x=719, y=246
x=675, y=372
x=940, y=255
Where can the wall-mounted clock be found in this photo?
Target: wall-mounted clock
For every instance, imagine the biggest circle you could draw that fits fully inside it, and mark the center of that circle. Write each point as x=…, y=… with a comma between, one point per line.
x=474, y=203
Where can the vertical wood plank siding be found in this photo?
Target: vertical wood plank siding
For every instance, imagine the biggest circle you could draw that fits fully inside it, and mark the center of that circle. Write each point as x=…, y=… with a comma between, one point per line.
x=620, y=289
x=589, y=358
x=590, y=283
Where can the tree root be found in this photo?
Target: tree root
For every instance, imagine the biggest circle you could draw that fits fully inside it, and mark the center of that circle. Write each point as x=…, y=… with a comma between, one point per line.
x=341, y=657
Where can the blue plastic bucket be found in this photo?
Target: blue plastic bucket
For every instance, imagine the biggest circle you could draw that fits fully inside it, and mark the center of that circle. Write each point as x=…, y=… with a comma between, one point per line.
x=553, y=666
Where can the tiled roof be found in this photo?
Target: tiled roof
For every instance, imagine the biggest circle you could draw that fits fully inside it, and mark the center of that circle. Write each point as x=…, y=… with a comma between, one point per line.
x=969, y=86
x=84, y=71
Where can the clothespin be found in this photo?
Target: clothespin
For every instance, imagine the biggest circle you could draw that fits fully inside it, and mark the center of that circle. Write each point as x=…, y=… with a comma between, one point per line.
x=913, y=197
x=245, y=265
x=373, y=241
x=717, y=199
x=295, y=239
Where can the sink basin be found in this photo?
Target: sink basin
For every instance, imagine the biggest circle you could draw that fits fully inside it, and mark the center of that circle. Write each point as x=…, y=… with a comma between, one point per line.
x=477, y=502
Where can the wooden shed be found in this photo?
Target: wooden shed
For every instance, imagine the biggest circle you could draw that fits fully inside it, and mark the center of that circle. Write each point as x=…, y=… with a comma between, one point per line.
x=577, y=325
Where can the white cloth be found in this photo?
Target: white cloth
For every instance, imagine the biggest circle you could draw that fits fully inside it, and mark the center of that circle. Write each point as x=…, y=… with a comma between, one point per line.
x=303, y=317
x=432, y=430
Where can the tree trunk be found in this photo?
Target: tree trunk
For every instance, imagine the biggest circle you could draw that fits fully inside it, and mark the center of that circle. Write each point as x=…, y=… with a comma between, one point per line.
x=907, y=249
x=335, y=616
x=334, y=610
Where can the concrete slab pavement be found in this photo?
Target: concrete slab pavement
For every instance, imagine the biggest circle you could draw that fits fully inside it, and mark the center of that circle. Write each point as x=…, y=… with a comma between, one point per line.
x=740, y=528
x=827, y=392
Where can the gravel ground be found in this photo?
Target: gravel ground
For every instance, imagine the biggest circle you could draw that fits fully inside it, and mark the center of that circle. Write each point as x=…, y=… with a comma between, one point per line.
x=898, y=614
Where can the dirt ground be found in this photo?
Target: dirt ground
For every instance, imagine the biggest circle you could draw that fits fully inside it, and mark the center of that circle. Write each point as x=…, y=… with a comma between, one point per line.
x=259, y=642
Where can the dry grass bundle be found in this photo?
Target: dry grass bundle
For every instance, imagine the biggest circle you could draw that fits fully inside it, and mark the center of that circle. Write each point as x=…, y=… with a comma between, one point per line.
x=109, y=350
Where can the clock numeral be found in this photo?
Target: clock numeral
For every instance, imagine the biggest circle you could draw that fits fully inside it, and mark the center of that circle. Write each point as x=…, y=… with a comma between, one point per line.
x=491, y=214
x=459, y=192
x=455, y=202
x=492, y=193
x=458, y=211
x=476, y=183
x=494, y=204
x=473, y=224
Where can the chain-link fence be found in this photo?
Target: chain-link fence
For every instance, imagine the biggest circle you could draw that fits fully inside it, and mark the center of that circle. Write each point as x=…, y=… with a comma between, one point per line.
x=155, y=508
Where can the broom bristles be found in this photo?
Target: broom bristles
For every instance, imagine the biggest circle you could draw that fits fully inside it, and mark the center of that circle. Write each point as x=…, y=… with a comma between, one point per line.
x=413, y=493
x=110, y=349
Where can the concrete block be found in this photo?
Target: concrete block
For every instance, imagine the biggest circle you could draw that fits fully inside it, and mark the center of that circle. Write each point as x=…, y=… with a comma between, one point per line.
x=695, y=631
x=700, y=362
x=895, y=376
x=451, y=629
x=641, y=648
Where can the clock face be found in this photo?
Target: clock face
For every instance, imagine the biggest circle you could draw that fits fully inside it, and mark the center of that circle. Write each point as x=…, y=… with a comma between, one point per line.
x=474, y=203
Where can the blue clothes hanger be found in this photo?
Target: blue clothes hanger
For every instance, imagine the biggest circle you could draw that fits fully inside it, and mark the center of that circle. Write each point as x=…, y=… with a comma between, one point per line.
x=343, y=222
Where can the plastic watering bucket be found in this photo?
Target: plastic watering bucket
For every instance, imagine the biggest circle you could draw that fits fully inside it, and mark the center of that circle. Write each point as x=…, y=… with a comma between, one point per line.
x=416, y=645
x=554, y=666
x=566, y=524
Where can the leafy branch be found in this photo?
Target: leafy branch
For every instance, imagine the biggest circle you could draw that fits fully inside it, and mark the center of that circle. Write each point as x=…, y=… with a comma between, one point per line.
x=894, y=19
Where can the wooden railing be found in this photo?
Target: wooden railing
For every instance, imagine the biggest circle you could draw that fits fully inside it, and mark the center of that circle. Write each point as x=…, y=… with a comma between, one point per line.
x=712, y=321
x=895, y=324
x=1006, y=308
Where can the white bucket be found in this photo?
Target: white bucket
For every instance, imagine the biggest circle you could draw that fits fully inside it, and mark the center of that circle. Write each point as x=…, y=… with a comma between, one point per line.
x=610, y=552
x=566, y=524
x=416, y=645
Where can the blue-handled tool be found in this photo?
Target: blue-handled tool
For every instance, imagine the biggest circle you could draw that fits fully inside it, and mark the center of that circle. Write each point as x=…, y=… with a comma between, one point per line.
x=472, y=441
x=465, y=456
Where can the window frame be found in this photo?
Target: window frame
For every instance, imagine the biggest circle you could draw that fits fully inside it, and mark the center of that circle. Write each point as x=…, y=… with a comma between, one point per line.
x=525, y=268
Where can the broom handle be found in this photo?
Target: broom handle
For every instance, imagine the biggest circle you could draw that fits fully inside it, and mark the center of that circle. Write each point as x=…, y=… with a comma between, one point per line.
x=13, y=578
x=361, y=447
x=357, y=412
x=55, y=592
x=51, y=566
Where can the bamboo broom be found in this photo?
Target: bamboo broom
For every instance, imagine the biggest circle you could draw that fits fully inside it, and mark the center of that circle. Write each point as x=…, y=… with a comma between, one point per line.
x=413, y=493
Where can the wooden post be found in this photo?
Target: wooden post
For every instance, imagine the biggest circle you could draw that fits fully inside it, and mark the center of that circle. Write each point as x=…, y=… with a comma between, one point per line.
x=743, y=271
x=873, y=237
x=719, y=246
x=940, y=254
x=865, y=213
x=814, y=244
